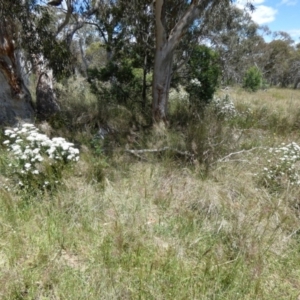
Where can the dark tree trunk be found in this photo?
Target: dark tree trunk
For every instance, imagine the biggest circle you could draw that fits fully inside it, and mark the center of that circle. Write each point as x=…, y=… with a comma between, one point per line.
x=144, y=91
x=46, y=102
x=15, y=98
x=296, y=82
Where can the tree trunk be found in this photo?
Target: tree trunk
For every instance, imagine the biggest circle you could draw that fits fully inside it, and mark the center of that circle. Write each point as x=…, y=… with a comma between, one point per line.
x=144, y=91
x=46, y=102
x=15, y=98
x=161, y=83
x=166, y=42
x=296, y=82
x=84, y=62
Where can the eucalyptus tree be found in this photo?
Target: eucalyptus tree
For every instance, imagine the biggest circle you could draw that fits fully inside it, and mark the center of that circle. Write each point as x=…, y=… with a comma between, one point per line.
x=30, y=30
x=295, y=67
x=173, y=19
x=239, y=44
x=56, y=59
x=17, y=30
x=280, y=60
x=126, y=30
x=15, y=99
x=176, y=23
x=160, y=27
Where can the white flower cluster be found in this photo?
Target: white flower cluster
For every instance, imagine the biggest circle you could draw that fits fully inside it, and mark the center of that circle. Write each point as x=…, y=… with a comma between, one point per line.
x=196, y=82
x=179, y=94
x=30, y=147
x=59, y=149
x=283, y=164
x=224, y=107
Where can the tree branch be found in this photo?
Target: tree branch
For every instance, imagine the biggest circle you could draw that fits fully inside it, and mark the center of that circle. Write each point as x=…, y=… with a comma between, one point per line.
x=67, y=18
x=195, y=10
x=100, y=30
x=79, y=24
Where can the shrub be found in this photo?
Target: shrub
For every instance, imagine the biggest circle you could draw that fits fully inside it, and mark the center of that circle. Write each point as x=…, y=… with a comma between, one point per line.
x=36, y=162
x=116, y=84
x=203, y=74
x=224, y=107
x=210, y=137
x=282, y=169
x=252, y=79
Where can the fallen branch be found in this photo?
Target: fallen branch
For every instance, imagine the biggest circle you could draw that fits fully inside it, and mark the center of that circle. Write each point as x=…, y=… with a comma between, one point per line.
x=226, y=158
x=137, y=155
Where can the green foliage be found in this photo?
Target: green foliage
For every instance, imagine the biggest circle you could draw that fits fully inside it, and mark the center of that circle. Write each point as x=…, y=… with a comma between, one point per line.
x=116, y=84
x=95, y=54
x=59, y=56
x=203, y=75
x=252, y=79
x=280, y=65
x=36, y=29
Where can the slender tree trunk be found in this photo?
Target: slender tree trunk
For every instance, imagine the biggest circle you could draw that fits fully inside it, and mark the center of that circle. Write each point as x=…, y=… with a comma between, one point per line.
x=144, y=91
x=15, y=98
x=84, y=62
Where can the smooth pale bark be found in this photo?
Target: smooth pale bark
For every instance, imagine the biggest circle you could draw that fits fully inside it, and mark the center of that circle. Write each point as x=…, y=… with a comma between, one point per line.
x=15, y=98
x=161, y=84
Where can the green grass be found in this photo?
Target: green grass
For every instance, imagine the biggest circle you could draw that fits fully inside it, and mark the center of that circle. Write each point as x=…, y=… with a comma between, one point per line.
x=125, y=228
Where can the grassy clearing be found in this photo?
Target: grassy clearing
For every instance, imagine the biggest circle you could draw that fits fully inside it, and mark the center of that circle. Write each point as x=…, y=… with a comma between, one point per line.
x=157, y=228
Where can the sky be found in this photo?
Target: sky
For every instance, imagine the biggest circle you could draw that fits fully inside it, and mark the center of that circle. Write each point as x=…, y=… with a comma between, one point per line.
x=278, y=15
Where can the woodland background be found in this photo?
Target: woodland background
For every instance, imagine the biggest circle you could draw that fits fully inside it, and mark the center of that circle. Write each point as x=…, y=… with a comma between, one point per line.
x=180, y=178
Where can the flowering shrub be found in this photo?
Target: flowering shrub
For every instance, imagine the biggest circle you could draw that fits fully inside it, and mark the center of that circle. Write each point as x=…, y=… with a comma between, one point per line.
x=224, y=107
x=36, y=160
x=282, y=166
x=179, y=95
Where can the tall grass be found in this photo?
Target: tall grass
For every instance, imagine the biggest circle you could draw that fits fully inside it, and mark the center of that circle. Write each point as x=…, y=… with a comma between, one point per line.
x=151, y=227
